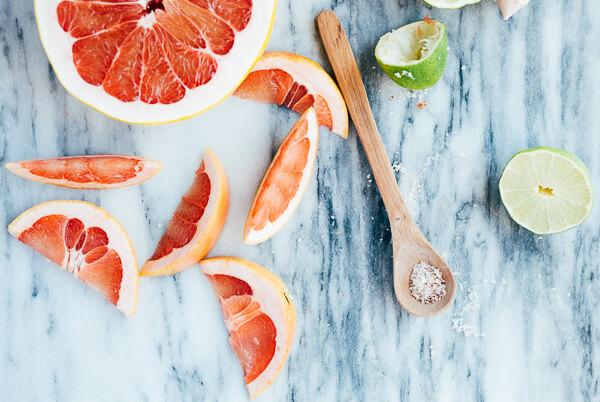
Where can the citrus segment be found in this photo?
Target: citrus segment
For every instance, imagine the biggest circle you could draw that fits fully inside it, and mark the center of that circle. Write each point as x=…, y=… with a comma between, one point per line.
x=297, y=83
x=85, y=18
x=197, y=222
x=90, y=171
x=259, y=316
x=123, y=57
x=86, y=241
x=287, y=178
x=94, y=55
x=546, y=190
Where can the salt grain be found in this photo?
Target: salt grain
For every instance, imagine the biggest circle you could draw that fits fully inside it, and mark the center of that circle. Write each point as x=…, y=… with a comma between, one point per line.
x=426, y=283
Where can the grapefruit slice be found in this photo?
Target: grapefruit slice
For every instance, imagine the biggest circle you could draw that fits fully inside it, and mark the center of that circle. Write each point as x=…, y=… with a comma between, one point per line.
x=153, y=61
x=298, y=83
x=89, y=172
x=86, y=241
x=196, y=224
x=287, y=178
x=259, y=315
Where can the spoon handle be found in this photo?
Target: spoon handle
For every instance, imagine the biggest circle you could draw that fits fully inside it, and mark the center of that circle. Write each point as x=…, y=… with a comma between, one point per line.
x=348, y=77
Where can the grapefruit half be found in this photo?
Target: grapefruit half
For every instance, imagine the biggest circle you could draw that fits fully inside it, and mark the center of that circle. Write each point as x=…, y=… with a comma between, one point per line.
x=259, y=315
x=285, y=182
x=89, y=171
x=153, y=61
x=298, y=83
x=86, y=241
x=196, y=224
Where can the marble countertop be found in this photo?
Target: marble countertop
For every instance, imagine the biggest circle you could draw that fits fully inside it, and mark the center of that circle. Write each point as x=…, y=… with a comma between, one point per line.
x=525, y=325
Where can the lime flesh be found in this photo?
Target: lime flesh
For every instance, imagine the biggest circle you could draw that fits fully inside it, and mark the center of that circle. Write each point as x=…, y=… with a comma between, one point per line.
x=414, y=56
x=450, y=4
x=546, y=190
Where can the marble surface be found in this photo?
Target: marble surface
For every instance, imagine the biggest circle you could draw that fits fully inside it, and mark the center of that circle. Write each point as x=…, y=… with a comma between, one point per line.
x=525, y=325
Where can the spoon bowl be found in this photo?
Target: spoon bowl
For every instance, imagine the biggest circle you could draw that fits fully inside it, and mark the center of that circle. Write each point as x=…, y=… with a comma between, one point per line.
x=406, y=256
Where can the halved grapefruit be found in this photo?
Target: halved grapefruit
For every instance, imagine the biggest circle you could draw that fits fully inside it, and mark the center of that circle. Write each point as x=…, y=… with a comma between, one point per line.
x=89, y=171
x=298, y=83
x=259, y=315
x=153, y=61
x=287, y=178
x=86, y=241
x=196, y=224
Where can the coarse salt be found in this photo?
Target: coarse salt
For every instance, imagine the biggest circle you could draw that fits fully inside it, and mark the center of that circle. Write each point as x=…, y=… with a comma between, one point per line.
x=426, y=283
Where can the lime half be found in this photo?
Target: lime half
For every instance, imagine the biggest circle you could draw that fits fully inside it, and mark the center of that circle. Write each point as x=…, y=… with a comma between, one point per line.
x=414, y=56
x=546, y=190
x=450, y=3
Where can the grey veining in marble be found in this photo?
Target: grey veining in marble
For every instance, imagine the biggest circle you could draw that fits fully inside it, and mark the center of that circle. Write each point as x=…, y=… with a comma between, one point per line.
x=529, y=304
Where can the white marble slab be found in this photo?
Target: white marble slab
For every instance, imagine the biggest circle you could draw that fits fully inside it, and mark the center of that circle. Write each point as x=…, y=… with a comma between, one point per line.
x=529, y=303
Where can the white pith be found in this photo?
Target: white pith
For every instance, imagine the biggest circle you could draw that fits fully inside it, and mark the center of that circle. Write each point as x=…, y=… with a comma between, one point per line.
x=405, y=46
x=232, y=68
x=529, y=194
x=90, y=216
x=267, y=291
x=149, y=167
x=185, y=256
x=308, y=73
x=312, y=133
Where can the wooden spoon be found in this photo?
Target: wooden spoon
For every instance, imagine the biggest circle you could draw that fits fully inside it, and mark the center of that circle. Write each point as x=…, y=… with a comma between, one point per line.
x=410, y=246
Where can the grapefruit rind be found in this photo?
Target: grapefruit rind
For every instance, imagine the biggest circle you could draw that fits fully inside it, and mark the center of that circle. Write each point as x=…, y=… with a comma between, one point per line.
x=209, y=226
x=57, y=44
x=275, y=302
x=310, y=74
x=91, y=215
x=150, y=167
x=252, y=236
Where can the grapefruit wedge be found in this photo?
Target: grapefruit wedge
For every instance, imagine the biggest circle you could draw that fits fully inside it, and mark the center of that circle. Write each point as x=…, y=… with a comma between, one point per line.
x=86, y=241
x=196, y=224
x=298, y=83
x=153, y=61
x=287, y=178
x=259, y=315
x=88, y=172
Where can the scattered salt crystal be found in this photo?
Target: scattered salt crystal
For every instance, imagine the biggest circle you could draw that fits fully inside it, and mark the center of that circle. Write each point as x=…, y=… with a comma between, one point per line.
x=398, y=167
x=404, y=73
